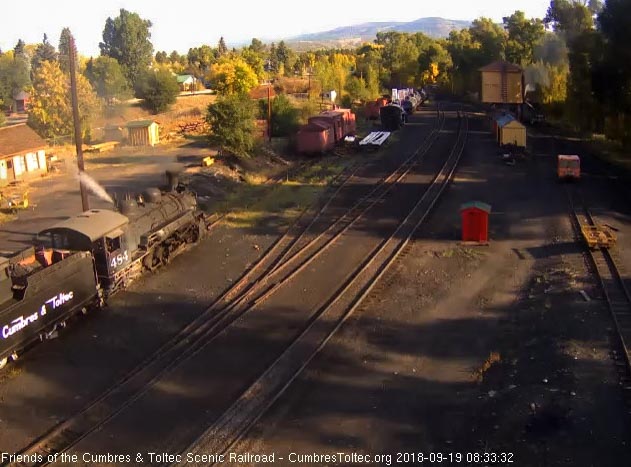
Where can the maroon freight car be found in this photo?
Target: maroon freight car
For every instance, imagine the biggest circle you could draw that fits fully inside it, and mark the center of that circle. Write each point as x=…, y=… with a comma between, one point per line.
x=333, y=119
x=315, y=137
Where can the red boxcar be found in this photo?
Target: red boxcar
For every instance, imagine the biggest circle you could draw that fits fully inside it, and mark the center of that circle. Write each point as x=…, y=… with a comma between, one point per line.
x=333, y=119
x=315, y=138
x=349, y=121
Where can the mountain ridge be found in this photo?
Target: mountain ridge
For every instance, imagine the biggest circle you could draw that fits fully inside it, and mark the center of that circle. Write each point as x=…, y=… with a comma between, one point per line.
x=432, y=26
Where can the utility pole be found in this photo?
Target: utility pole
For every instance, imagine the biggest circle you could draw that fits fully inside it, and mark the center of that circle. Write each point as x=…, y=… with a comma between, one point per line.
x=85, y=203
x=269, y=112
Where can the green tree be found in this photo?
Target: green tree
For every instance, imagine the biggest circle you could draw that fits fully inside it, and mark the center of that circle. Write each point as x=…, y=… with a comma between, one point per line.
x=158, y=89
x=126, y=38
x=612, y=72
x=44, y=52
x=435, y=63
x=272, y=59
x=574, y=20
x=222, y=49
x=200, y=59
x=257, y=46
x=19, y=49
x=107, y=78
x=51, y=109
x=255, y=61
x=161, y=57
x=64, y=50
x=523, y=35
x=14, y=76
x=283, y=55
x=284, y=115
x=356, y=89
x=231, y=121
x=491, y=37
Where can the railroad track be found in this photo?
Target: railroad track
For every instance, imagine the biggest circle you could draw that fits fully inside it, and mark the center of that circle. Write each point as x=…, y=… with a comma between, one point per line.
x=212, y=321
x=614, y=290
x=254, y=402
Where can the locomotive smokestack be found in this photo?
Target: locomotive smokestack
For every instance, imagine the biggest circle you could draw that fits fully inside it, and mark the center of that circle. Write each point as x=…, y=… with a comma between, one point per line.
x=172, y=179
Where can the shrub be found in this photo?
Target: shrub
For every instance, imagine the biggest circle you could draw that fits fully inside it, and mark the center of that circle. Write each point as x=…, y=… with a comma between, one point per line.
x=158, y=89
x=231, y=120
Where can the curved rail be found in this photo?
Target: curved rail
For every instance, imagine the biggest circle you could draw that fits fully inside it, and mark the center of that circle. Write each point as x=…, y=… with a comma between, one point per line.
x=253, y=403
x=212, y=321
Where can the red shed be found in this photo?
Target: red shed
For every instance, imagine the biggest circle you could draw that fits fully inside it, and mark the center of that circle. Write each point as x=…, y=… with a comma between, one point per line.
x=315, y=138
x=475, y=221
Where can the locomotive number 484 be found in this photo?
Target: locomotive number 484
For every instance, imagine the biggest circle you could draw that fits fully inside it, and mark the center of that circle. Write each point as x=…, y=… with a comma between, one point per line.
x=119, y=259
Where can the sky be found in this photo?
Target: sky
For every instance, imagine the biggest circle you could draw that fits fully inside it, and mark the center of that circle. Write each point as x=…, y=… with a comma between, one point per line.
x=179, y=25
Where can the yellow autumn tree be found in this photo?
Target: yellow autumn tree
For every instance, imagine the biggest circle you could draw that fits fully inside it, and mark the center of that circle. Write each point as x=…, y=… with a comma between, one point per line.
x=50, y=111
x=232, y=75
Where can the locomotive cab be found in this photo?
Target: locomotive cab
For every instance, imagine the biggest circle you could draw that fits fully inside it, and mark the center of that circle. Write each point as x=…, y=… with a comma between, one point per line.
x=100, y=232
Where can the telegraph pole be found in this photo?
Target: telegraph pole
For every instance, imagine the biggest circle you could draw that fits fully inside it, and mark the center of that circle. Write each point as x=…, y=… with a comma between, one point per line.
x=85, y=203
x=269, y=111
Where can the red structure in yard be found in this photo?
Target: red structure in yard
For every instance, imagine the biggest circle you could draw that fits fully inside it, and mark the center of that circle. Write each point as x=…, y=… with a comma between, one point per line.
x=348, y=116
x=325, y=130
x=332, y=118
x=315, y=138
x=475, y=221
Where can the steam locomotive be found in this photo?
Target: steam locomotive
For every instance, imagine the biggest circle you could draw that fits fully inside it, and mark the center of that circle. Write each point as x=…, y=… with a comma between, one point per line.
x=81, y=261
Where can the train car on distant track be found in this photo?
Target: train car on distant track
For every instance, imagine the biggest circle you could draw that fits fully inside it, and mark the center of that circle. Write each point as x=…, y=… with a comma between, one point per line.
x=325, y=130
x=568, y=167
x=315, y=138
x=392, y=116
x=81, y=261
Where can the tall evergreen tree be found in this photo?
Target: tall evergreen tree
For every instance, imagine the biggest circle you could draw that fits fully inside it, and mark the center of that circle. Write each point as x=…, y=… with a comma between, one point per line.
x=222, y=49
x=19, y=50
x=126, y=38
x=64, y=50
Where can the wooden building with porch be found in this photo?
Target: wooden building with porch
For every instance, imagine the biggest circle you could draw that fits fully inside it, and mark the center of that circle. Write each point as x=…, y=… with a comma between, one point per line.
x=22, y=153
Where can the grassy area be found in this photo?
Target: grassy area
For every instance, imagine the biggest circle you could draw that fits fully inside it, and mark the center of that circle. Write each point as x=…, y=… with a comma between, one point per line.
x=256, y=202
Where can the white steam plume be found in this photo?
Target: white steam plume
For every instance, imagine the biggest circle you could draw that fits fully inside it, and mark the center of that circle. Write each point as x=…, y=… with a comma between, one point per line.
x=94, y=187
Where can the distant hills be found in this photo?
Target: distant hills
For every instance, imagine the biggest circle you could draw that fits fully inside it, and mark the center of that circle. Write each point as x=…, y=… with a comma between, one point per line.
x=354, y=35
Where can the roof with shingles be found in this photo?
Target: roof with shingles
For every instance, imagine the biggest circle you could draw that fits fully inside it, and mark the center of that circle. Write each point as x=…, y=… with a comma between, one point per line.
x=502, y=66
x=19, y=139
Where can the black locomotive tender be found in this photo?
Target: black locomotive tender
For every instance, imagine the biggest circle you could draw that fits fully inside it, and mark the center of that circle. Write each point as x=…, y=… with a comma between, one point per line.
x=79, y=262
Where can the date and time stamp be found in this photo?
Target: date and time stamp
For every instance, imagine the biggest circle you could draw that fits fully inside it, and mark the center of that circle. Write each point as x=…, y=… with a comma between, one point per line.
x=485, y=458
